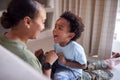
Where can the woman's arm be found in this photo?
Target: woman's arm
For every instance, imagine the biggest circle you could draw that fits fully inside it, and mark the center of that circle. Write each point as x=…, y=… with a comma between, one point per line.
x=47, y=59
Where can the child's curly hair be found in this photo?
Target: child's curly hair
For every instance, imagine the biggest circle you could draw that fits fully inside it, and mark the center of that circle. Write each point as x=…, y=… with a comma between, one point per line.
x=76, y=24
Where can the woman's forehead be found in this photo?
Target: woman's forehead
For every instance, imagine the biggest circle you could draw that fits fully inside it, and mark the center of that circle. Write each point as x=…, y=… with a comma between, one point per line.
x=41, y=11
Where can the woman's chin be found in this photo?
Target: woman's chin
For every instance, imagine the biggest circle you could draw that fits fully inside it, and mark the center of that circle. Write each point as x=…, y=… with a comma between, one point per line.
x=34, y=37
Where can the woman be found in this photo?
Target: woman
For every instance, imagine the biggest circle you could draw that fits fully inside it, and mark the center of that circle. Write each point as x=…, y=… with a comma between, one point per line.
x=26, y=20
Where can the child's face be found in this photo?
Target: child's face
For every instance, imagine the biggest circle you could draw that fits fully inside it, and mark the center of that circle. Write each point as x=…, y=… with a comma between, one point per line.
x=61, y=32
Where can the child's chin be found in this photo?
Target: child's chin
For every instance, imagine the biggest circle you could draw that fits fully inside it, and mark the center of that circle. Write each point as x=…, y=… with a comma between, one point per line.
x=55, y=41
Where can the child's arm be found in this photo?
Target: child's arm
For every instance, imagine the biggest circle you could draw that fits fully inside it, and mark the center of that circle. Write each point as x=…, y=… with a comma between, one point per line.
x=75, y=64
x=70, y=63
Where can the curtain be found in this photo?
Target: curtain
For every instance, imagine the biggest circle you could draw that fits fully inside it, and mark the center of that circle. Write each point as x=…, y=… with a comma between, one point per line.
x=99, y=19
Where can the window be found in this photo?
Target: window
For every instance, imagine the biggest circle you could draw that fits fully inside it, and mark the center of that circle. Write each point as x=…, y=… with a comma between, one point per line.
x=116, y=38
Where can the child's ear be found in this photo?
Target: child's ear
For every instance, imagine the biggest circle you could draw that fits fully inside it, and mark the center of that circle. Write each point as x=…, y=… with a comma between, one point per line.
x=72, y=35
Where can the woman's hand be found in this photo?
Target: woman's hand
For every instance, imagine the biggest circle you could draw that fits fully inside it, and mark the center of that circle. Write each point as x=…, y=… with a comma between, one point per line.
x=51, y=57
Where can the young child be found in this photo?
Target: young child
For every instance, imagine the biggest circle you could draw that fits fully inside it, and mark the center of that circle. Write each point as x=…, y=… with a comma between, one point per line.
x=71, y=55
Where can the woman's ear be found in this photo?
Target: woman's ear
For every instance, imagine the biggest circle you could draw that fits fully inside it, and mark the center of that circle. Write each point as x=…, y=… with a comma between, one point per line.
x=27, y=21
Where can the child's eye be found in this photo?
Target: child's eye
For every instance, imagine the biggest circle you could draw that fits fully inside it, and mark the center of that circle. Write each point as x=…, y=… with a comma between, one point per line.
x=60, y=28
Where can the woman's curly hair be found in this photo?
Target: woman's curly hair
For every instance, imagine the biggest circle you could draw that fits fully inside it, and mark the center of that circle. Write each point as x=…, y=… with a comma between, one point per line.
x=76, y=24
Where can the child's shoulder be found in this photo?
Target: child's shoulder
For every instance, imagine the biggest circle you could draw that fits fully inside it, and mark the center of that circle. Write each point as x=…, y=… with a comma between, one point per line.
x=76, y=45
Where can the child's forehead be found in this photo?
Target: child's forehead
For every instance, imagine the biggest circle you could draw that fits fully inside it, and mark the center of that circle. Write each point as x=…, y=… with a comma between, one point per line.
x=63, y=21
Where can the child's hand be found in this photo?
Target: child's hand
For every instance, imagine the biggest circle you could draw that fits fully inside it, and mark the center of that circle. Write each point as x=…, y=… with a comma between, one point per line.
x=115, y=55
x=40, y=55
x=39, y=52
x=61, y=58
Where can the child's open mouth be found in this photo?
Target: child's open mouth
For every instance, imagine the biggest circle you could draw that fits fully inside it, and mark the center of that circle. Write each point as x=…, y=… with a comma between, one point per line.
x=55, y=36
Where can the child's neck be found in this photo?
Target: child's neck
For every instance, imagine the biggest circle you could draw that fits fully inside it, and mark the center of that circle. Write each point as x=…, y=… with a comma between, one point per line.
x=64, y=43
